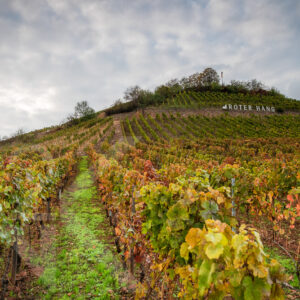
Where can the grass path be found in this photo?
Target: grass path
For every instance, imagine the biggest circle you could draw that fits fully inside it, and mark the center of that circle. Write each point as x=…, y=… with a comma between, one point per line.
x=79, y=264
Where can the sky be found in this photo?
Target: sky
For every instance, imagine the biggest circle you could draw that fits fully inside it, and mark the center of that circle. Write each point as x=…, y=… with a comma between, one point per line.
x=54, y=53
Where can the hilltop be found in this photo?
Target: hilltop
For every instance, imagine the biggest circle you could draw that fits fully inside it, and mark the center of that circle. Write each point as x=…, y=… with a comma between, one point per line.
x=203, y=90
x=213, y=99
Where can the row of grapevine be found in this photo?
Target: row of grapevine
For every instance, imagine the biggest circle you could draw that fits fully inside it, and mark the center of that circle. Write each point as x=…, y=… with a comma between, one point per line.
x=149, y=128
x=123, y=131
x=27, y=182
x=131, y=132
x=141, y=131
x=29, y=186
x=222, y=126
x=263, y=186
x=178, y=126
x=163, y=121
x=188, y=222
x=160, y=130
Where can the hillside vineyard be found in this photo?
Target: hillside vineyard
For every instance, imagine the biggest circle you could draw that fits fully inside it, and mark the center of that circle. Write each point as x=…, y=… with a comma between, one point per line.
x=196, y=197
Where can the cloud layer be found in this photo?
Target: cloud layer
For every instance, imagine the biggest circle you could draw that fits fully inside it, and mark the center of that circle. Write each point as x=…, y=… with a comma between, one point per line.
x=54, y=53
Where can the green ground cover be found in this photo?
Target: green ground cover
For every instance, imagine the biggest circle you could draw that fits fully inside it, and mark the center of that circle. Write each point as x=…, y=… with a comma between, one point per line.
x=80, y=265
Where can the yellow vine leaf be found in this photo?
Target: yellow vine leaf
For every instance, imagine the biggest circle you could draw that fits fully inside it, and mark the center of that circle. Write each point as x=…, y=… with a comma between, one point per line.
x=194, y=236
x=214, y=251
x=184, y=252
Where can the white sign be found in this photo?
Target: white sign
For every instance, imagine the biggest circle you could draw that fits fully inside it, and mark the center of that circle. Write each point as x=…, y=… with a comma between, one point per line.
x=246, y=107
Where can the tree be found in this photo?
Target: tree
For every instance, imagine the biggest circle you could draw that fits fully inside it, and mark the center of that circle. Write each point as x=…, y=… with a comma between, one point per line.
x=255, y=85
x=133, y=94
x=238, y=86
x=185, y=82
x=162, y=91
x=251, y=85
x=82, y=109
x=174, y=86
x=138, y=97
x=191, y=82
x=146, y=98
x=208, y=77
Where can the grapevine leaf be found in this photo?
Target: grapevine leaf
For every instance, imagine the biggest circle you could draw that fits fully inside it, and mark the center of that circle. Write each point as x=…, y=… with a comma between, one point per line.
x=206, y=271
x=184, y=252
x=214, y=251
x=236, y=277
x=258, y=270
x=177, y=211
x=216, y=238
x=194, y=236
x=254, y=289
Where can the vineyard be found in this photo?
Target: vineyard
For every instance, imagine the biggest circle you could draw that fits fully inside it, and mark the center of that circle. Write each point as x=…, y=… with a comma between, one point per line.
x=165, y=127
x=199, y=206
x=217, y=99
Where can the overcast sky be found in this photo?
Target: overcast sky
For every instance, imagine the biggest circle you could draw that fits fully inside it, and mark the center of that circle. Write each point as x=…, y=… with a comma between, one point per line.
x=54, y=53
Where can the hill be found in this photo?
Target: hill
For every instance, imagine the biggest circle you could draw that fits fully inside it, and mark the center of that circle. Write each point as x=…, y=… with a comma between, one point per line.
x=189, y=194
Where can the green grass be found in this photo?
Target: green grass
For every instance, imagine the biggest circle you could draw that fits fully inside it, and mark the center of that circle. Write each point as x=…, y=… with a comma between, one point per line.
x=287, y=263
x=80, y=266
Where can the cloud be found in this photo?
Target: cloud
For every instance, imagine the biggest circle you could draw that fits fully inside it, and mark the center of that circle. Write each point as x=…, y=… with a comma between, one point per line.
x=54, y=53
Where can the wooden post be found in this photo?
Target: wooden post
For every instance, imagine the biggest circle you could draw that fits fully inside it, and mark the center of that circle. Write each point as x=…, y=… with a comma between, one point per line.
x=110, y=217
